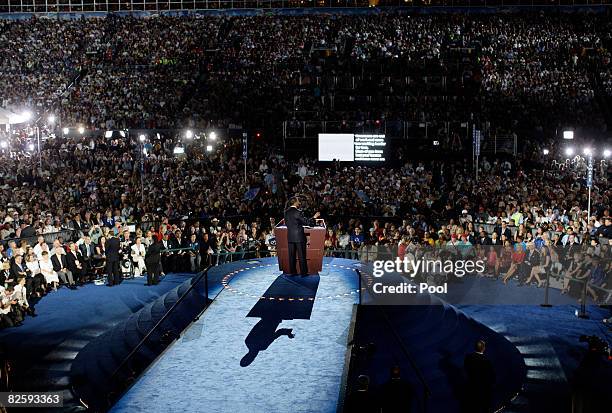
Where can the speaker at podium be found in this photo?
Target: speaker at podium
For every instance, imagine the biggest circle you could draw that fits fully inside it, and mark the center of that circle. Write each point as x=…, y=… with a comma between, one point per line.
x=315, y=245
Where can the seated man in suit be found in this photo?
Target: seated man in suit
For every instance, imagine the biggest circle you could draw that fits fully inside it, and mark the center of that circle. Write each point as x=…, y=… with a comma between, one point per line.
x=75, y=263
x=88, y=250
x=18, y=268
x=60, y=266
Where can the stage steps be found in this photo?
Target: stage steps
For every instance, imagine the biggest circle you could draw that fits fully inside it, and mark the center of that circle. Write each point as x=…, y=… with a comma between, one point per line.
x=95, y=363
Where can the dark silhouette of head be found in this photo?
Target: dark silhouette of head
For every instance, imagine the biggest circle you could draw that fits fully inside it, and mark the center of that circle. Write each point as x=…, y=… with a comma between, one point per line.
x=248, y=358
x=480, y=346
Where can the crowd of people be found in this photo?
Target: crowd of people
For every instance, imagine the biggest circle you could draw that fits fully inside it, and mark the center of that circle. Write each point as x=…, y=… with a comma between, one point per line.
x=166, y=71
x=90, y=191
x=84, y=192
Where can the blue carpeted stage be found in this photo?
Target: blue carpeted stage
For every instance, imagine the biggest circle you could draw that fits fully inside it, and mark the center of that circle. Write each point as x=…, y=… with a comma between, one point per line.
x=269, y=342
x=45, y=346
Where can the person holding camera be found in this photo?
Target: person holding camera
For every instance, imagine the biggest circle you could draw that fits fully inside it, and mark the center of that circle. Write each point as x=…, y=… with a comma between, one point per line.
x=10, y=313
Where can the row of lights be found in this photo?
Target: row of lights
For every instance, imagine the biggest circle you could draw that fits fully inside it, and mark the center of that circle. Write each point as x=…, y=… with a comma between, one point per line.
x=587, y=151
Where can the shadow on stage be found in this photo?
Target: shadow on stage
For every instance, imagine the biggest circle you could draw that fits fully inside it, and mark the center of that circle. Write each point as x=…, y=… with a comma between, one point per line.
x=288, y=298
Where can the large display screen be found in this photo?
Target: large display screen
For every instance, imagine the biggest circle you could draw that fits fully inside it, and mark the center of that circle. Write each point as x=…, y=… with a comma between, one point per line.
x=349, y=147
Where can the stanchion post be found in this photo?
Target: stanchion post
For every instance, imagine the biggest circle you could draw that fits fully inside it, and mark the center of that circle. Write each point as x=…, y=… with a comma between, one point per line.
x=206, y=285
x=359, y=277
x=546, y=288
x=583, y=314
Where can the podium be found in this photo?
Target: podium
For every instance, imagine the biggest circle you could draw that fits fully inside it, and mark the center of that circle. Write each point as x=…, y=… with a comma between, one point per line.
x=315, y=244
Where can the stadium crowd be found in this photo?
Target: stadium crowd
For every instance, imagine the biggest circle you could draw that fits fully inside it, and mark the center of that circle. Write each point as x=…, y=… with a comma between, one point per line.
x=169, y=71
x=60, y=213
x=57, y=221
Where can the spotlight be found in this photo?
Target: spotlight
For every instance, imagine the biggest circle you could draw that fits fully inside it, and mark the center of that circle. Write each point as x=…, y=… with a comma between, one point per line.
x=189, y=134
x=568, y=134
x=212, y=136
x=4, y=144
x=436, y=143
x=30, y=146
x=178, y=150
x=108, y=134
x=122, y=133
x=142, y=138
x=545, y=151
x=81, y=130
x=65, y=131
x=209, y=148
x=587, y=151
x=27, y=115
x=607, y=153
x=569, y=151
x=51, y=119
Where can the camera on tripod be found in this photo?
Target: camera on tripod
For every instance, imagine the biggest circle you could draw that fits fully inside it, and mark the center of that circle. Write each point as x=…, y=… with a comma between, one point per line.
x=596, y=345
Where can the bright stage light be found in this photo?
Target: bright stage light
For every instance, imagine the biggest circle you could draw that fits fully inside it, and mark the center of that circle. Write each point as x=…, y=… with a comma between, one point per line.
x=545, y=151
x=569, y=151
x=27, y=115
x=51, y=119
x=30, y=146
x=209, y=148
x=568, y=134
x=4, y=144
x=81, y=130
x=587, y=151
x=108, y=134
x=189, y=134
x=142, y=138
x=607, y=153
x=178, y=150
x=65, y=131
x=212, y=136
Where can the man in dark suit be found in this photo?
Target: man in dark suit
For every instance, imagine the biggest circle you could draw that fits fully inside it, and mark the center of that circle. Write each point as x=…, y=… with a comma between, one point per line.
x=75, y=262
x=296, y=238
x=18, y=268
x=113, y=260
x=153, y=262
x=480, y=380
x=88, y=250
x=60, y=266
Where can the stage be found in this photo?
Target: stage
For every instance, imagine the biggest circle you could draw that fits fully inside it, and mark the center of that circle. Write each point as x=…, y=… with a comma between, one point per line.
x=268, y=342
x=271, y=342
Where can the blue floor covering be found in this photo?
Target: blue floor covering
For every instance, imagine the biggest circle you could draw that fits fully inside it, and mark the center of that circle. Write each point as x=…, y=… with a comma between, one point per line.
x=240, y=357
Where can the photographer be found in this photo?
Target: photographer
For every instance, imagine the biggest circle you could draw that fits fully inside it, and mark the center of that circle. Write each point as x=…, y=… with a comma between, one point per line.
x=10, y=313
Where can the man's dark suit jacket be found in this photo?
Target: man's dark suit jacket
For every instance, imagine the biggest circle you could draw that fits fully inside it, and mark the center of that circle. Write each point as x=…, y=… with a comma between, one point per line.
x=295, y=221
x=72, y=260
x=153, y=254
x=57, y=265
x=84, y=247
x=14, y=270
x=479, y=370
x=112, y=249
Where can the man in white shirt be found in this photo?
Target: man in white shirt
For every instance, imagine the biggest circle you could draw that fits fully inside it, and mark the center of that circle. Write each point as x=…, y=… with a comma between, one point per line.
x=21, y=295
x=40, y=246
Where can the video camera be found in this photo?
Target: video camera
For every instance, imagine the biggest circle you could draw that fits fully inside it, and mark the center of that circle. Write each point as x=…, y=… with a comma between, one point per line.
x=596, y=345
